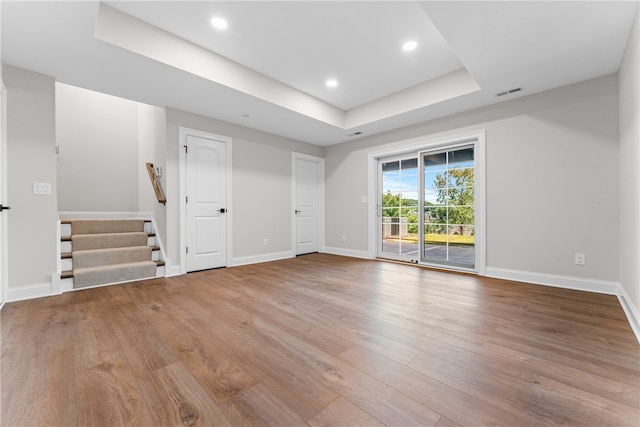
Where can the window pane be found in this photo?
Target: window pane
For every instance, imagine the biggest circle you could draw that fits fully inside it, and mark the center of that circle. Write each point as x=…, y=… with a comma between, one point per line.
x=389, y=212
x=462, y=215
x=410, y=164
x=435, y=215
x=391, y=166
x=435, y=242
x=432, y=161
x=461, y=156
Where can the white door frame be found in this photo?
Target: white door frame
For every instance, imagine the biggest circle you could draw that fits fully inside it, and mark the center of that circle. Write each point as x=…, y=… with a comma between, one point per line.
x=420, y=144
x=183, y=132
x=4, y=263
x=295, y=156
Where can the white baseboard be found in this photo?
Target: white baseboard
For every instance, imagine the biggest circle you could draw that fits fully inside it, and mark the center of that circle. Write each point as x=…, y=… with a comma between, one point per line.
x=631, y=311
x=254, y=259
x=567, y=282
x=171, y=270
x=20, y=293
x=575, y=283
x=347, y=252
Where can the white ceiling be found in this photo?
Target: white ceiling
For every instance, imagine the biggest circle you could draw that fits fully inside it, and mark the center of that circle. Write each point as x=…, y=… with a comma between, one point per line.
x=272, y=61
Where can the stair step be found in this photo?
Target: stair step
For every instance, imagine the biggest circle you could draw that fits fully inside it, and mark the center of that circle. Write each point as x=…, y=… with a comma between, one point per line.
x=68, y=238
x=69, y=273
x=68, y=255
x=69, y=221
x=107, y=249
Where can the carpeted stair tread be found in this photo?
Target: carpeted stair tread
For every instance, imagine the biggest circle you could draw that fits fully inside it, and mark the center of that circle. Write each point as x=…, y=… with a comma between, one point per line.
x=105, y=251
x=68, y=255
x=80, y=242
x=68, y=238
x=98, y=226
x=92, y=276
x=110, y=256
x=68, y=274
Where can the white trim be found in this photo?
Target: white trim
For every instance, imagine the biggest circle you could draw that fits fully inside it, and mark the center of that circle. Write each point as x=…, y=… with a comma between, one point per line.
x=20, y=293
x=93, y=214
x=158, y=240
x=420, y=144
x=66, y=285
x=255, y=259
x=320, y=177
x=566, y=282
x=56, y=281
x=171, y=270
x=103, y=285
x=633, y=316
x=182, y=135
x=4, y=220
x=348, y=252
x=574, y=283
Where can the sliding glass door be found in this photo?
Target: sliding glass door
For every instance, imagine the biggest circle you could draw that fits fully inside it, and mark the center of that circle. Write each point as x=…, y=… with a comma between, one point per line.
x=442, y=182
x=448, y=217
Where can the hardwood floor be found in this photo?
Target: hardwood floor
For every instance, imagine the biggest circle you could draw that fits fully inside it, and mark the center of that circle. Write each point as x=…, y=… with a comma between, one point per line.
x=320, y=340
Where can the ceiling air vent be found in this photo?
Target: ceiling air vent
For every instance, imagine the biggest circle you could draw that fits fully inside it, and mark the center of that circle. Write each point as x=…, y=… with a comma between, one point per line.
x=509, y=92
x=355, y=134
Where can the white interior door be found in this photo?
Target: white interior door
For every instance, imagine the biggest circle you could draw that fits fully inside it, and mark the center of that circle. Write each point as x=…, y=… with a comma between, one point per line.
x=206, y=203
x=308, y=173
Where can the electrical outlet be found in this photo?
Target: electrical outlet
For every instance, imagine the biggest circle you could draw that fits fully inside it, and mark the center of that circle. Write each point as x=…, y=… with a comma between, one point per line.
x=581, y=259
x=266, y=242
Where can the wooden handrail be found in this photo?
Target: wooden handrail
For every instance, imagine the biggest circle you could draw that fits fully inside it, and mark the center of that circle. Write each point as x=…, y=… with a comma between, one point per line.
x=156, y=184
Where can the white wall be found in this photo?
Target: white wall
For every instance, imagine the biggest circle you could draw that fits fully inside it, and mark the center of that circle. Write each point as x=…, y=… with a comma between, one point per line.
x=104, y=143
x=98, y=164
x=31, y=153
x=261, y=185
x=152, y=144
x=552, y=180
x=629, y=172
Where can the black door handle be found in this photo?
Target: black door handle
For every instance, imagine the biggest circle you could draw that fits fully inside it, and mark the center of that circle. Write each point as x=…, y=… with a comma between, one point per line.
x=297, y=211
x=4, y=208
x=223, y=210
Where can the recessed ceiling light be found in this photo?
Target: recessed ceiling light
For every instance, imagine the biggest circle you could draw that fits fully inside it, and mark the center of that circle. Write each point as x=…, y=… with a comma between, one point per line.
x=410, y=45
x=219, y=23
x=332, y=83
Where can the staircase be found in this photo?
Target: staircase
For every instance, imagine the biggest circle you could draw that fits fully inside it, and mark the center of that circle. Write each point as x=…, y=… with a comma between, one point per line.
x=102, y=251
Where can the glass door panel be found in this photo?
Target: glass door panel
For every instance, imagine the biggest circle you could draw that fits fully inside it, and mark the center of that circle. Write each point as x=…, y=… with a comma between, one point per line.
x=399, y=209
x=448, y=207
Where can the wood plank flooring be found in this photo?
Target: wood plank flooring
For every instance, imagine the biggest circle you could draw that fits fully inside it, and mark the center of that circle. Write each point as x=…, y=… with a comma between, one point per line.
x=320, y=340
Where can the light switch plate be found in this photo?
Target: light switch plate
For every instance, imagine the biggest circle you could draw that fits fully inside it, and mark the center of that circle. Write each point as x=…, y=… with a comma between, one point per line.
x=41, y=188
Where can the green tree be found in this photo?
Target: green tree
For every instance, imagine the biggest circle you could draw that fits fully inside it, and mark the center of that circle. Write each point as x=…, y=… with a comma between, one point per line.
x=396, y=206
x=455, y=191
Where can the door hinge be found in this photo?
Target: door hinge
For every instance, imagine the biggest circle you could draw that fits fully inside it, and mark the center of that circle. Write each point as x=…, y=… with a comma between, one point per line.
x=186, y=199
x=186, y=249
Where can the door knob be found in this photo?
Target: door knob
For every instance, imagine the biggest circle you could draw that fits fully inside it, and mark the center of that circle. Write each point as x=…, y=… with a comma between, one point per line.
x=222, y=210
x=297, y=211
x=4, y=208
